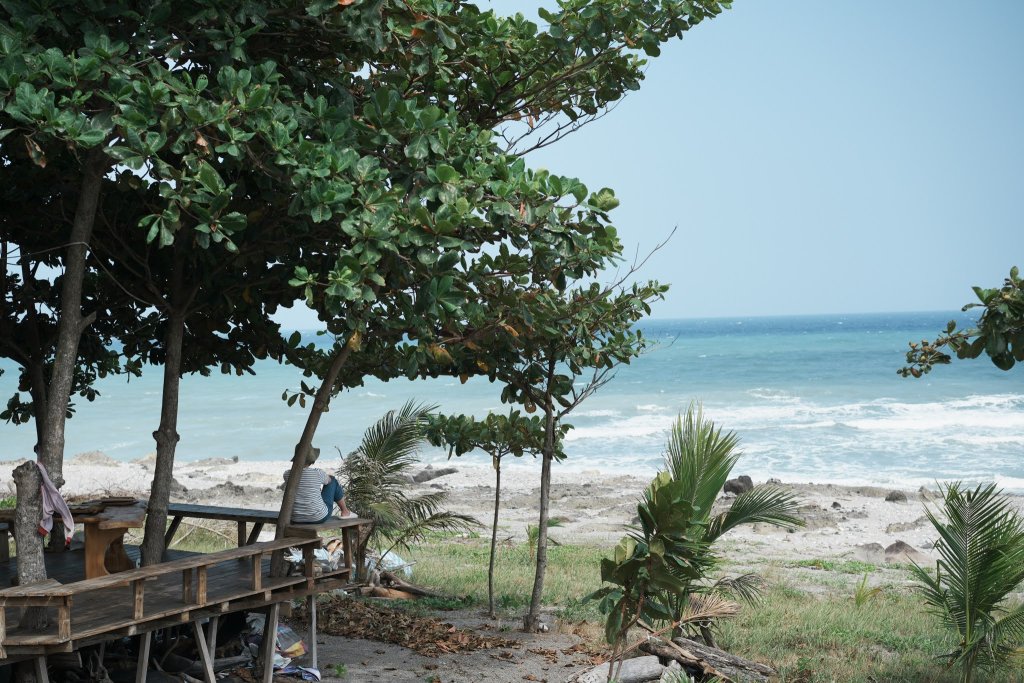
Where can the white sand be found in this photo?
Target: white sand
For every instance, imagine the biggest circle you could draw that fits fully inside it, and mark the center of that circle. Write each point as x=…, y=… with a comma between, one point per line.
x=593, y=506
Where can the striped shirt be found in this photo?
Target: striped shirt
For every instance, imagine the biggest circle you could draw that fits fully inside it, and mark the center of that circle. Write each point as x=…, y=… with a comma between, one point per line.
x=309, y=503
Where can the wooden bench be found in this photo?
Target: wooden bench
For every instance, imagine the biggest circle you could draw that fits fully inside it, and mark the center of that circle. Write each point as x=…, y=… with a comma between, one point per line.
x=259, y=518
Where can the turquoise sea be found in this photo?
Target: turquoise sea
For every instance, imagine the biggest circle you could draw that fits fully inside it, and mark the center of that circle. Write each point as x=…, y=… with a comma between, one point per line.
x=813, y=398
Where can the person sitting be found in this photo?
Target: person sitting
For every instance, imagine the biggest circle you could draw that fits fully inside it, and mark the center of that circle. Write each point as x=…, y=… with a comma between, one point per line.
x=317, y=493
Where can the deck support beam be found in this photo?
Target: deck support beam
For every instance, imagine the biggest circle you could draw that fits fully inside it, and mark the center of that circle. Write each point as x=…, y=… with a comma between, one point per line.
x=269, y=642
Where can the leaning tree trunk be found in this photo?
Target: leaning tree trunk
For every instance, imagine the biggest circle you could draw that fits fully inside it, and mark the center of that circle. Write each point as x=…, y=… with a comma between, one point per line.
x=494, y=537
x=547, y=455
x=51, y=443
x=316, y=411
x=166, y=437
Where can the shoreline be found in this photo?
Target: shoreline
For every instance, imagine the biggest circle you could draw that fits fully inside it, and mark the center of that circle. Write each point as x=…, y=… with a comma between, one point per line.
x=593, y=507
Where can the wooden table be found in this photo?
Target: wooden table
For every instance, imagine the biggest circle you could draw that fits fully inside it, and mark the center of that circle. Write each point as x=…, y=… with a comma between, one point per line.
x=104, y=538
x=105, y=521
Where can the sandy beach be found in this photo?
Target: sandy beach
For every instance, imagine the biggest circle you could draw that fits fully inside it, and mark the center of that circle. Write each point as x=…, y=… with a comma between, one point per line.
x=592, y=506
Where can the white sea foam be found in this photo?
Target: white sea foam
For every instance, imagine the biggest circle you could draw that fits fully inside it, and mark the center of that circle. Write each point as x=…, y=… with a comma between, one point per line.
x=625, y=429
x=602, y=412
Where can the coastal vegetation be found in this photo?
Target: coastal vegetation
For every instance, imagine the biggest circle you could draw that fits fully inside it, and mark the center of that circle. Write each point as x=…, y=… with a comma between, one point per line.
x=981, y=548
x=661, y=577
x=999, y=332
x=199, y=168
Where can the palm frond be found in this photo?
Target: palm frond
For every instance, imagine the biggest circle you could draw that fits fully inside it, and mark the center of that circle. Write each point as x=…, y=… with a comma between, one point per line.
x=746, y=587
x=391, y=443
x=700, y=456
x=704, y=607
x=766, y=504
x=439, y=522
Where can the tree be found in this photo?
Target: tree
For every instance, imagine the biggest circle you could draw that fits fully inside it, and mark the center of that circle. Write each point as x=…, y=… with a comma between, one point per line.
x=498, y=436
x=67, y=121
x=556, y=329
x=999, y=332
x=439, y=79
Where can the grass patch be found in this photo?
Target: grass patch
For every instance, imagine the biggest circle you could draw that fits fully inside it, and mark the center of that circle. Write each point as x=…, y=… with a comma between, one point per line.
x=843, y=566
x=459, y=567
x=809, y=637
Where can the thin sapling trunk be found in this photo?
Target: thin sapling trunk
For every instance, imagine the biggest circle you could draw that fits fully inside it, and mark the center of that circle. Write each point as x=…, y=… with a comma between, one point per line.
x=494, y=538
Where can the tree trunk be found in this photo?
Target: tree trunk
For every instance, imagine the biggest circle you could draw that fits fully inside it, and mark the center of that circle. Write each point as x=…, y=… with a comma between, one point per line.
x=319, y=407
x=50, y=450
x=709, y=661
x=166, y=437
x=494, y=538
x=547, y=455
x=26, y=527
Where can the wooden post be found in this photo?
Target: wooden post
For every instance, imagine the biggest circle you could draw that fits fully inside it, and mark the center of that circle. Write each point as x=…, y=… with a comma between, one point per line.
x=42, y=675
x=269, y=642
x=241, y=534
x=311, y=608
x=257, y=571
x=201, y=585
x=143, y=664
x=138, y=595
x=211, y=635
x=204, y=653
x=186, y=586
x=346, y=547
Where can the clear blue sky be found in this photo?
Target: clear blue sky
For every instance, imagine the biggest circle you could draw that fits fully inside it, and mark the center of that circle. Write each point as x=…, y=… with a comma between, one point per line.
x=820, y=157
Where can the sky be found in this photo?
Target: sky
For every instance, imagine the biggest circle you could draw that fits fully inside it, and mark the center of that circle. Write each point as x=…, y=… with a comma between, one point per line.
x=819, y=157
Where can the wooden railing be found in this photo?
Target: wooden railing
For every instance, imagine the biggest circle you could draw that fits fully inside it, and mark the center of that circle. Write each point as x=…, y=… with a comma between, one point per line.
x=109, y=615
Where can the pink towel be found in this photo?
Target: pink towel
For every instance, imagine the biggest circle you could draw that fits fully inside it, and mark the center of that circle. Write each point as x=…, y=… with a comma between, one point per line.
x=53, y=502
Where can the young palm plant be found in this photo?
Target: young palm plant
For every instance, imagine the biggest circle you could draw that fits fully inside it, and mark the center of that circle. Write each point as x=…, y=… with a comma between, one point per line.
x=981, y=561
x=661, y=571
x=700, y=457
x=376, y=474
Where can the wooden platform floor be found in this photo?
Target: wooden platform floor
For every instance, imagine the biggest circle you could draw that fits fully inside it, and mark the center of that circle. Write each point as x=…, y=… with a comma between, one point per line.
x=107, y=613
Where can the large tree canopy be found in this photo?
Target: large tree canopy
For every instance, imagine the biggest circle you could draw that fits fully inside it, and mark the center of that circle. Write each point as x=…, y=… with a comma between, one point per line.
x=190, y=162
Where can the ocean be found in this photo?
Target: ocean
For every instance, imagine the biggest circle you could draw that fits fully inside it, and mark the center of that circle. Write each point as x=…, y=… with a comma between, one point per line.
x=812, y=398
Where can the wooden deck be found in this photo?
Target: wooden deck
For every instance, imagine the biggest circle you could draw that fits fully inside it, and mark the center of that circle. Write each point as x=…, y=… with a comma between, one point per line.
x=191, y=586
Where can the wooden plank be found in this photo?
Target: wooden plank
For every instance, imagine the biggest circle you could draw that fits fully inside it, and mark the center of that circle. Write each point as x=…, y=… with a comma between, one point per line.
x=204, y=653
x=142, y=667
x=311, y=611
x=254, y=535
x=241, y=533
x=3, y=632
x=223, y=513
x=33, y=589
x=269, y=641
x=211, y=635
x=171, y=530
x=138, y=597
x=42, y=672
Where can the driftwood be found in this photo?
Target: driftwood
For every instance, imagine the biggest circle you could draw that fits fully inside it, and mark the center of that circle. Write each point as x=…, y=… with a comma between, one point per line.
x=709, y=661
x=390, y=580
